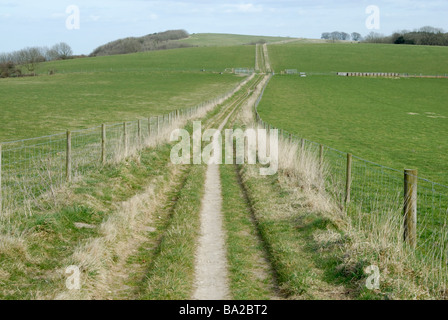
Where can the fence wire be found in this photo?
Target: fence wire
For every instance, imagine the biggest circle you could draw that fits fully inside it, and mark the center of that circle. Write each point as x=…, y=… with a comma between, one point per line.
x=31, y=168
x=379, y=190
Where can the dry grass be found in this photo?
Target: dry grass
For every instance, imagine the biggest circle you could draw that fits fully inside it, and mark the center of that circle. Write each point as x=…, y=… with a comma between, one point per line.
x=122, y=232
x=374, y=238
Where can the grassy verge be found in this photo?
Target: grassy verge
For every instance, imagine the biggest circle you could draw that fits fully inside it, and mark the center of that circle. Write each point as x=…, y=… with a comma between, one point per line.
x=170, y=274
x=250, y=275
x=287, y=227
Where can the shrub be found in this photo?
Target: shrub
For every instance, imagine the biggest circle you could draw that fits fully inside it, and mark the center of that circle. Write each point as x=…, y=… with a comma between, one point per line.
x=9, y=69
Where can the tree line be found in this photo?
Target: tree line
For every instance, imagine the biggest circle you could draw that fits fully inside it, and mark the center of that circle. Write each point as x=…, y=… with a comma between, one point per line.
x=13, y=64
x=338, y=35
x=427, y=35
x=150, y=42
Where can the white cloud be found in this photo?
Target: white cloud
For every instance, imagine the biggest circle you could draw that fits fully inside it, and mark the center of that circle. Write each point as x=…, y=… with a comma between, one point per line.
x=243, y=8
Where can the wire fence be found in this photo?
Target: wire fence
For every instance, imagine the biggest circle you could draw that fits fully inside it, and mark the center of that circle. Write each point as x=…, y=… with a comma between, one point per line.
x=371, y=189
x=32, y=168
x=137, y=69
x=364, y=74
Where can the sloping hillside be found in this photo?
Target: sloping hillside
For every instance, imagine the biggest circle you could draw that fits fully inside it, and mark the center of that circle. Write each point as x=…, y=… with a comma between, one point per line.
x=150, y=42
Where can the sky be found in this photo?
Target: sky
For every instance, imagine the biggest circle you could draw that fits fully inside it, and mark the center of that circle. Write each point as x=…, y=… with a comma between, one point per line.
x=87, y=24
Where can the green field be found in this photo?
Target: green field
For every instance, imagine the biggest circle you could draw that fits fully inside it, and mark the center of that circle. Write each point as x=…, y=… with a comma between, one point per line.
x=185, y=59
x=359, y=57
x=400, y=123
x=90, y=91
x=216, y=39
x=43, y=105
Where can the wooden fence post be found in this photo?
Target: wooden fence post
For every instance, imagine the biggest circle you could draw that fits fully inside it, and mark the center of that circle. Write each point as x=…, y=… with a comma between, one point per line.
x=348, y=184
x=410, y=207
x=125, y=139
x=68, y=160
x=103, y=144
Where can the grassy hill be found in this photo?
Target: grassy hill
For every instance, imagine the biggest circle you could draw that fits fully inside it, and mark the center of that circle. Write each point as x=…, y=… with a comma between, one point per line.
x=150, y=42
x=185, y=59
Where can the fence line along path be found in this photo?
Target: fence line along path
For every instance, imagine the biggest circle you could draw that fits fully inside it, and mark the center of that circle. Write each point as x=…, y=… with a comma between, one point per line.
x=33, y=167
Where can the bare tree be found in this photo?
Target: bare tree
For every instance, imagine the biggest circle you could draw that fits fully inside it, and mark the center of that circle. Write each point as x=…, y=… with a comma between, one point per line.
x=374, y=37
x=61, y=51
x=429, y=29
x=29, y=58
x=356, y=36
